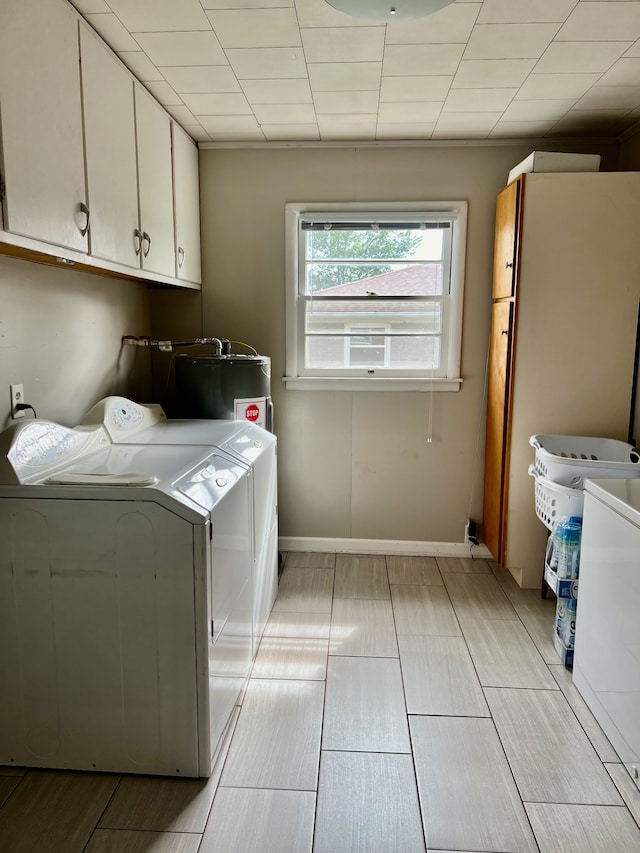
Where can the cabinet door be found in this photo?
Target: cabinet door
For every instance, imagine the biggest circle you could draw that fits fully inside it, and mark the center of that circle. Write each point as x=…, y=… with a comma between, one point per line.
x=186, y=191
x=155, y=185
x=497, y=438
x=42, y=149
x=505, y=255
x=110, y=140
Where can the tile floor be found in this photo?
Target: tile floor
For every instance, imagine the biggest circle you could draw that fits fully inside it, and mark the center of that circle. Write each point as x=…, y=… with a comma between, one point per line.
x=396, y=704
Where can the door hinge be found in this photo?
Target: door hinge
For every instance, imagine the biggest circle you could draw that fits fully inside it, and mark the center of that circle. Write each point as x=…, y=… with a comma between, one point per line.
x=210, y=532
x=3, y=188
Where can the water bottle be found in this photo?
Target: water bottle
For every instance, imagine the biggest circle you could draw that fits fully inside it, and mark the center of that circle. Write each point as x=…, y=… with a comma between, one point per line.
x=566, y=546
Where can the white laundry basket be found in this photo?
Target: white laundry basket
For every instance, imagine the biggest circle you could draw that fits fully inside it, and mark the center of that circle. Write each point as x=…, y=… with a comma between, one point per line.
x=570, y=459
x=554, y=500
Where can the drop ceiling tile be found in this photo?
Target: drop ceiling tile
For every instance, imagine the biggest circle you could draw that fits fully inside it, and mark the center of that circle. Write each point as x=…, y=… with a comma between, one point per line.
x=541, y=86
x=634, y=50
x=414, y=88
x=525, y=11
x=291, y=132
x=267, y=63
x=407, y=60
x=594, y=21
x=625, y=72
x=515, y=129
x=201, y=78
x=450, y=25
x=348, y=136
x=346, y=102
x=182, y=115
x=467, y=123
x=537, y=110
x=478, y=100
x=256, y=27
x=112, y=31
x=183, y=48
x=239, y=136
x=580, y=56
x=317, y=13
x=610, y=98
x=152, y=16
x=87, y=7
x=406, y=113
x=294, y=91
x=163, y=92
x=220, y=104
x=229, y=124
x=245, y=4
x=405, y=131
x=492, y=73
x=343, y=44
x=140, y=65
x=285, y=114
x=197, y=133
x=344, y=76
x=510, y=41
x=347, y=124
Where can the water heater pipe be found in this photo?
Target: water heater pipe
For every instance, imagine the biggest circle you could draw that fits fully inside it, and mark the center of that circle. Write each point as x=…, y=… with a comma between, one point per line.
x=167, y=346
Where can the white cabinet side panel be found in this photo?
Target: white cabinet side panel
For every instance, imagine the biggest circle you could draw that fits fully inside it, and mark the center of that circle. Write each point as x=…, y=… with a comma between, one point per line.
x=186, y=187
x=576, y=321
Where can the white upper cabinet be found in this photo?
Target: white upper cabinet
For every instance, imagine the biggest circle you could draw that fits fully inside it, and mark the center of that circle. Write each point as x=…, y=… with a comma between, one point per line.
x=40, y=107
x=155, y=185
x=186, y=191
x=110, y=151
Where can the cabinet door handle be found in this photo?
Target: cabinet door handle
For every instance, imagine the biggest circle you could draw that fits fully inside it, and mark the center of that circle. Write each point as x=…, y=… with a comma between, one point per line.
x=84, y=209
x=146, y=239
x=180, y=257
x=137, y=238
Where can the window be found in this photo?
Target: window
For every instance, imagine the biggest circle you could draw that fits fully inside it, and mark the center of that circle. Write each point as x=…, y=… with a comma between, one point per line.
x=374, y=295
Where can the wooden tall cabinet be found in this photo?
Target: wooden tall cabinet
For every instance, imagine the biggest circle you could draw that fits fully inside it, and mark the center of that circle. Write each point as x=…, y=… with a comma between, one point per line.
x=563, y=331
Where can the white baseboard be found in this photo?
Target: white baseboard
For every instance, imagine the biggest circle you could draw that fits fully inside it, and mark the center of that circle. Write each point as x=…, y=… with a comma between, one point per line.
x=382, y=546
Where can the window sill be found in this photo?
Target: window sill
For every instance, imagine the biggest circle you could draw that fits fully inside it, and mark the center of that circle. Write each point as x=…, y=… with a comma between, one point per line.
x=350, y=383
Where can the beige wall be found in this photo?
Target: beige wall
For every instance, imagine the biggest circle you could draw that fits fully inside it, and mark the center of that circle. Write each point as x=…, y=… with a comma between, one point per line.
x=354, y=465
x=60, y=334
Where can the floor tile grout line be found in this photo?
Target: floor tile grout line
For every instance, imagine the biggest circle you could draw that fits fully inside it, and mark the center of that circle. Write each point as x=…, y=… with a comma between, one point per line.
x=624, y=800
x=423, y=822
x=511, y=771
x=324, y=703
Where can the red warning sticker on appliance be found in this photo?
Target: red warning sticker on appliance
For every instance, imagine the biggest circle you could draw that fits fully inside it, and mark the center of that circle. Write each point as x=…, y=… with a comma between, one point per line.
x=252, y=409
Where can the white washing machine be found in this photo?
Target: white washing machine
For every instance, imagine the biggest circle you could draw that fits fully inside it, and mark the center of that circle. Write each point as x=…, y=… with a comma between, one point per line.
x=606, y=663
x=126, y=421
x=125, y=637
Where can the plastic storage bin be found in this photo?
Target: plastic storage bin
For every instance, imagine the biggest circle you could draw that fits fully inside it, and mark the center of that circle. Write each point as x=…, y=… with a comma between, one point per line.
x=553, y=500
x=570, y=459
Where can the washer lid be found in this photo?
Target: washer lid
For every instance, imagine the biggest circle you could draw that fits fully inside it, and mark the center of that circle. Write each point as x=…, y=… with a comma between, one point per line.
x=623, y=496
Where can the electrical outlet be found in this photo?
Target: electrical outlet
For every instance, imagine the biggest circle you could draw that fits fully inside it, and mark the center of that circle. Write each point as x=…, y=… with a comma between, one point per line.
x=17, y=396
x=470, y=533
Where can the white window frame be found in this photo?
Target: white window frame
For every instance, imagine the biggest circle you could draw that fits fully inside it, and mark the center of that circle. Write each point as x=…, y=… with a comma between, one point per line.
x=296, y=376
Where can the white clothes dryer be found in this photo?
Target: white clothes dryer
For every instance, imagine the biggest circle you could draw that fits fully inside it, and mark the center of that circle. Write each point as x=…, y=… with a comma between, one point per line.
x=133, y=423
